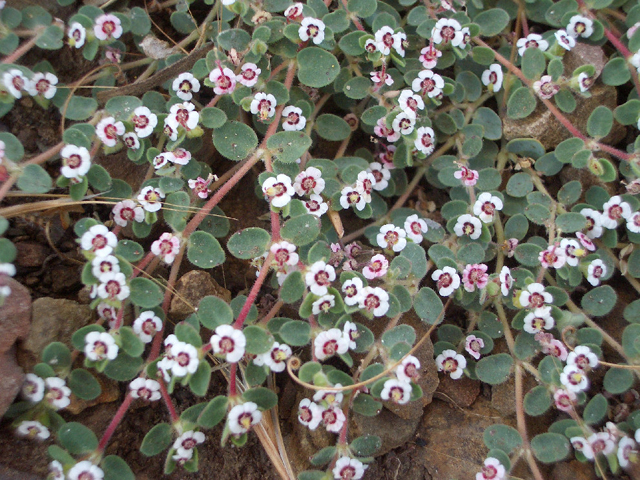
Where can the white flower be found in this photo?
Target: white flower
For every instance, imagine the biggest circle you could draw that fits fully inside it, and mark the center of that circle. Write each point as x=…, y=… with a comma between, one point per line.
x=452, y=363
x=108, y=130
x=468, y=176
x=56, y=472
x=76, y=161
x=309, y=181
x=473, y=345
x=447, y=30
x=188, y=441
x=311, y=28
x=249, y=74
x=323, y=304
x=565, y=40
x=294, y=12
x=580, y=26
x=381, y=174
x=574, y=378
x=107, y=27
x=352, y=290
x=533, y=40
x=224, y=80
x=57, y=393
x=613, y=210
x=352, y=197
x=545, y=87
x=99, y=346
x=15, y=81
x=333, y=419
x=284, y=254
x=585, y=81
x=99, y=240
x=278, y=190
x=319, y=277
x=633, y=223
x=147, y=325
x=392, y=237
x=404, y=123
x=428, y=83
x=293, y=119
x=144, y=121
x=447, y=281
x=409, y=102
x=538, y=320
x=127, y=211
x=583, y=358
x=491, y=470
x=396, y=391
x=43, y=84
x=316, y=205
x=384, y=40
x=492, y=77
x=329, y=398
x=151, y=198
x=506, y=281
x=309, y=414
x=425, y=142
x=146, y=389
x=364, y=184
x=572, y=251
x=601, y=442
x=103, y=265
x=348, y=469
x=264, y=105
x=185, y=359
x=486, y=206
x=468, y=225
x=408, y=370
x=377, y=267
x=185, y=86
x=399, y=42
x=595, y=270
x=113, y=286
x=229, y=342
x=131, y=141
x=7, y=269
x=350, y=332
x=552, y=257
x=594, y=222
x=328, y=343
x=33, y=388
x=582, y=445
x=381, y=77
x=167, y=247
x=415, y=227
x=33, y=430
x=77, y=35
x=534, y=296
x=242, y=417
x=626, y=449
x=184, y=114
x=564, y=399
x=275, y=358
x=375, y=300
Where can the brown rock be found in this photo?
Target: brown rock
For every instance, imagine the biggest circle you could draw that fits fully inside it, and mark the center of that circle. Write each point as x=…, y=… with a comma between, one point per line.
x=463, y=392
x=31, y=254
x=544, y=127
x=15, y=315
x=574, y=469
x=110, y=393
x=65, y=277
x=583, y=54
x=392, y=430
x=12, y=379
x=52, y=320
x=503, y=395
x=190, y=289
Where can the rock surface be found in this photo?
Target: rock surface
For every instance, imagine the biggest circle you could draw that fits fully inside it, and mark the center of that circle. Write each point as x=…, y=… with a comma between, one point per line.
x=15, y=315
x=12, y=379
x=190, y=289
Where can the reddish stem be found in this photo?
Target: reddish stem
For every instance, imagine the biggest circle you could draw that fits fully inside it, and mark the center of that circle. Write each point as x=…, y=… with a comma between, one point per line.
x=21, y=50
x=173, y=276
x=232, y=380
x=167, y=400
x=115, y=421
x=353, y=18
x=264, y=271
x=143, y=264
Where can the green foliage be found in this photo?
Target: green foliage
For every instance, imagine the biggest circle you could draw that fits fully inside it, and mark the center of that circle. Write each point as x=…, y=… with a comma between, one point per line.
x=76, y=438
x=157, y=439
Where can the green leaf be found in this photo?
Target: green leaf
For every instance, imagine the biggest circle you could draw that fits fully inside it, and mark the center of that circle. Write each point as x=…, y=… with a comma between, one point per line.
x=123, y=368
x=521, y=103
x=292, y=288
x=212, y=117
x=570, y=192
x=199, y=381
x=57, y=355
x=365, y=446
x=502, y=437
x=83, y=384
x=258, y=340
x=316, y=67
x=599, y=301
x=288, y=147
x=80, y=108
x=213, y=312
x=600, y=122
x=76, y=438
x=249, y=243
x=157, y=439
x=301, y=230
x=628, y=113
x=490, y=121
x=331, y=127
x=491, y=21
x=357, y=88
x=308, y=371
x=263, y=397
x=428, y=305
x=77, y=339
x=534, y=63
x=483, y=55
x=235, y=140
x=537, y=401
x=214, y=412
x=129, y=250
x=122, y=107
x=537, y=213
x=145, y=293
x=234, y=38
x=34, y=179
x=520, y=185
x=595, y=410
x=296, y=333
x=632, y=312
x=550, y=447
x=615, y=72
x=116, y=468
x=188, y=333
x=323, y=457
x=618, y=380
x=130, y=342
x=494, y=369
x=140, y=22
x=570, y=222
x=312, y=475
x=204, y=251
x=516, y=227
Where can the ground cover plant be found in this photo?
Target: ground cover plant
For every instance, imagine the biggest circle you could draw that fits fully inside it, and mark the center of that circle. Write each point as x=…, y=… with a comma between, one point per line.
x=517, y=119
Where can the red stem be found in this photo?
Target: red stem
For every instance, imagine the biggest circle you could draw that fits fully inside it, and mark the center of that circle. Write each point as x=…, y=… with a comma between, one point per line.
x=264, y=271
x=143, y=264
x=21, y=50
x=232, y=380
x=115, y=421
x=167, y=400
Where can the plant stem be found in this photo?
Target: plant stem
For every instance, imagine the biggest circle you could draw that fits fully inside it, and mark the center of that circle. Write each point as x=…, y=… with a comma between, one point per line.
x=115, y=421
x=20, y=51
x=522, y=426
x=175, y=418
x=264, y=271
